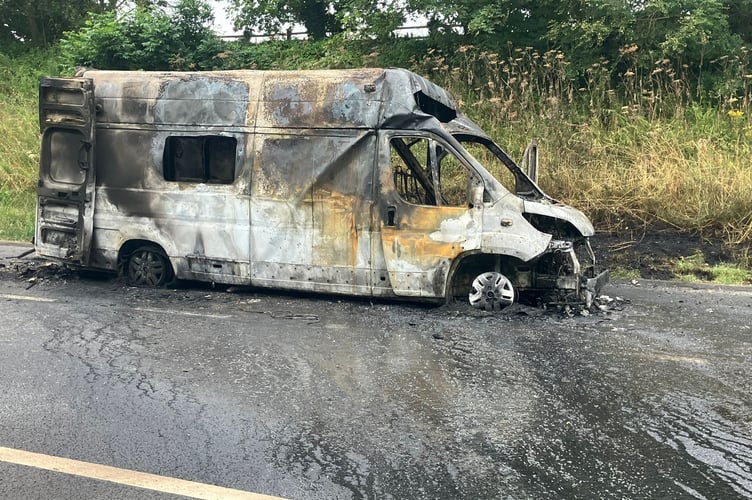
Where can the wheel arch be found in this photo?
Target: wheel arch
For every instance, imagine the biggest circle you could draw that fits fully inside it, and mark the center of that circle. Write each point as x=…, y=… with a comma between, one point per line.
x=468, y=265
x=130, y=246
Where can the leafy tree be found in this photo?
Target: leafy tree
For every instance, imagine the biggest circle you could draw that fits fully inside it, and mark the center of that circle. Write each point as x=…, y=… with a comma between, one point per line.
x=371, y=18
x=41, y=23
x=690, y=30
x=739, y=13
x=272, y=16
x=147, y=38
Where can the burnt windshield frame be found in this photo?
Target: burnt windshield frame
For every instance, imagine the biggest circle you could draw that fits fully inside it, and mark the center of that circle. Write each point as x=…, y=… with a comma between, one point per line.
x=524, y=186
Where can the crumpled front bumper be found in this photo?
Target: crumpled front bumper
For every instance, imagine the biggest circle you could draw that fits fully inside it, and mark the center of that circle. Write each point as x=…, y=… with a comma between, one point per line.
x=591, y=287
x=594, y=285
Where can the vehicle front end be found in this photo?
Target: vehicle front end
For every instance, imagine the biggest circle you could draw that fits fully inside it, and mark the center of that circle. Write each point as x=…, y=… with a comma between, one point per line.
x=534, y=248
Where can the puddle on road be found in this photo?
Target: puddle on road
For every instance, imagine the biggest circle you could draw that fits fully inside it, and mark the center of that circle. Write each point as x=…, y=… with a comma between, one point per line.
x=690, y=425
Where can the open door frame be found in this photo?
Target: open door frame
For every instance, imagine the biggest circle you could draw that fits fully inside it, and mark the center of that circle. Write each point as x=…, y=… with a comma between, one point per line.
x=67, y=173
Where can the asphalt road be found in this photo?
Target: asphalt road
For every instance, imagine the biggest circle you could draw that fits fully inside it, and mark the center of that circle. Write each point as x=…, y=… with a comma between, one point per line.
x=311, y=397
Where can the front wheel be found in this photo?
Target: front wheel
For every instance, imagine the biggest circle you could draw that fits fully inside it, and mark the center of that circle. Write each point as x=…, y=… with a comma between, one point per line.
x=149, y=266
x=492, y=292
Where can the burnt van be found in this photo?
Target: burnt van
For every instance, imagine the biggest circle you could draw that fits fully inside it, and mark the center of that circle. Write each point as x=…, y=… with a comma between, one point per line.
x=363, y=182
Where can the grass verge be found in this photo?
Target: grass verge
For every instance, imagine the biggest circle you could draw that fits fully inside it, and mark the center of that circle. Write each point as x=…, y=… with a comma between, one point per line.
x=17, y=212
x=695, y=267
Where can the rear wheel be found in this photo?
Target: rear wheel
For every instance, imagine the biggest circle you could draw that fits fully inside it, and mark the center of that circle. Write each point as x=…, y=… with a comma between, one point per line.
x=149, y=266
x=492, y=292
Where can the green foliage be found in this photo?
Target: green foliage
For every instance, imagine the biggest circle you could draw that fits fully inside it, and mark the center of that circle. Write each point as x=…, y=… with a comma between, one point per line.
x=688, y=32
x=20, y=72
x=147, y=38
x=274, y=16
x=19, y=125
x=622, y=273
x=292, y=54
x=364, y=19
x=41, y=23
x=19, y=138
x=739, y=13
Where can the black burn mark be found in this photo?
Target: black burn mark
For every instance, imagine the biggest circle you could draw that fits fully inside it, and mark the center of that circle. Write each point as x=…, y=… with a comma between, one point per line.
x=439, y=277
x=202, y=100
x=290, y=108
x=122, y=159
x=134, y=110
x=285, y=168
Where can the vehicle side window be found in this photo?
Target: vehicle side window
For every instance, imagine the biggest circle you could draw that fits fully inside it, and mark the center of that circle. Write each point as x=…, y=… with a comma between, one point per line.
x=486, y=157
x=425, y=173
x=411, y=175
x=209, y=159
x=454, y=178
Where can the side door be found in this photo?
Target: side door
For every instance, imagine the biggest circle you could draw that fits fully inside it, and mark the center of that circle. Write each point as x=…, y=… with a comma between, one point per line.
x=430, y=211
x=65, y=196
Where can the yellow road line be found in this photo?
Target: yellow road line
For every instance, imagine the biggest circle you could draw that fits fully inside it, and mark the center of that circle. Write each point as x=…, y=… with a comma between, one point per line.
x=25, y=297
x=126, y=477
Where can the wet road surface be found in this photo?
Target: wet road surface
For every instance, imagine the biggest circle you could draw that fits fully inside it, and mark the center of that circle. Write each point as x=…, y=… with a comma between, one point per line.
x=311, y=397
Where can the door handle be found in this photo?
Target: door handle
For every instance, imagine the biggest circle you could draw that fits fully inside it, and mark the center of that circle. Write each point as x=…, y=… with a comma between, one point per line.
x=391, y=212
x=83, y=155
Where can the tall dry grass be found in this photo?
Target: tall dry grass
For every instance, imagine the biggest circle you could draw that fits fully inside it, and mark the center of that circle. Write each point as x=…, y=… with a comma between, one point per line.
x=629, y=146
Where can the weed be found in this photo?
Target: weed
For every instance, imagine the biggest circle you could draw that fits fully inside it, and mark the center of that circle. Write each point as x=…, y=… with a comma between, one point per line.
x=623, y=273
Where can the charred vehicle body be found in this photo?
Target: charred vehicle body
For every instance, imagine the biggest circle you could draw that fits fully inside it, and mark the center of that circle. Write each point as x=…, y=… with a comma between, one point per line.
x=364, y=182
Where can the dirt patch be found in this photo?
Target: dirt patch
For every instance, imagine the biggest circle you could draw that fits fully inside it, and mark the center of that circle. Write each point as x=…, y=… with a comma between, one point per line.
x=654, y=253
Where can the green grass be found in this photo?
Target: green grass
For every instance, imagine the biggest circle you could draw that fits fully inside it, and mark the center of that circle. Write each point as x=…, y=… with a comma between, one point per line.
x=623, y=273
x=17, y=212
x=19, y=122
x=19, y=139
x=695, y=268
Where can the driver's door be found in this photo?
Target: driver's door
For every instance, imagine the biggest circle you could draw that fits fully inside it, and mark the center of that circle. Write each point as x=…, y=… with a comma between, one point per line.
x=428, y=210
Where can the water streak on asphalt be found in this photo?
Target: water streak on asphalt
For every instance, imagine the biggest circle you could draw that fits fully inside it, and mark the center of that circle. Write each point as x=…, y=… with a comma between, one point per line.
x=692, y=427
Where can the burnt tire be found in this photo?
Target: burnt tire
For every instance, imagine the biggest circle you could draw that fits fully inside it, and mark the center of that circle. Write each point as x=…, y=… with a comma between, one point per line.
x=148, y=266
x=492, y=292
